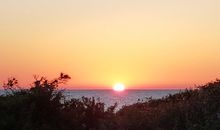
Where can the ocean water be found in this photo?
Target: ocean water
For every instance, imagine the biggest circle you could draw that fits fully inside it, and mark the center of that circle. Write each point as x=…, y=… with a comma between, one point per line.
x=127, y=97
x=110, y=97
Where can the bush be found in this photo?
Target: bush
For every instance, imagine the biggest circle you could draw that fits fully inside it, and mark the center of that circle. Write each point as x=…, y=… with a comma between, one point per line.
x=43, y=107
x=196, y=109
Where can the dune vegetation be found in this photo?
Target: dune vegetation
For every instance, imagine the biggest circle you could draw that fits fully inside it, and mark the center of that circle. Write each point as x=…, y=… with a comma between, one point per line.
x=44, y=107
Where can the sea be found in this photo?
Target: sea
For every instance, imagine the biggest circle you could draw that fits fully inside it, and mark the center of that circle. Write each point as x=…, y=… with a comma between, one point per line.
x=110, y=97
x=127, y=97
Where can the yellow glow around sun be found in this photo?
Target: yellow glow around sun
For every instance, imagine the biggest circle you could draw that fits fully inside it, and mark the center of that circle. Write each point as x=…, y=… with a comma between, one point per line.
x=119, y=87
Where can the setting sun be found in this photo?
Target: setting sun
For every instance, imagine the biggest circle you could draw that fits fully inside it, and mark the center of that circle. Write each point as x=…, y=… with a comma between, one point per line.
x=119, y=87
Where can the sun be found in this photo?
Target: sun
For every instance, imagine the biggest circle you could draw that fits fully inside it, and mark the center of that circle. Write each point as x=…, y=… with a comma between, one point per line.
x=119, y=87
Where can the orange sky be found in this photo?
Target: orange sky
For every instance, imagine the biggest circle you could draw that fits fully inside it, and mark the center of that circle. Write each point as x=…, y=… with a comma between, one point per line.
x=141, y=43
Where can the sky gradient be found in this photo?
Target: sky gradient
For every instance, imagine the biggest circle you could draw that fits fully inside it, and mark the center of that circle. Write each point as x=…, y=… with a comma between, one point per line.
x=141, y=43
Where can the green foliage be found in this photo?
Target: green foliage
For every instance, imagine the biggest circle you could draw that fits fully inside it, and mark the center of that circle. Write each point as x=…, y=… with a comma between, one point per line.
x=43, y=107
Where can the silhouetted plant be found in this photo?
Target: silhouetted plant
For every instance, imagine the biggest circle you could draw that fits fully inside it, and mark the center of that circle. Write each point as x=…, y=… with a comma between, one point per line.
x=187, y=110
x=43, y=107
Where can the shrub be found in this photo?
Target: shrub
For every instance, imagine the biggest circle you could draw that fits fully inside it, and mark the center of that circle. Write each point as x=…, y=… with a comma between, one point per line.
x=43, y=107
